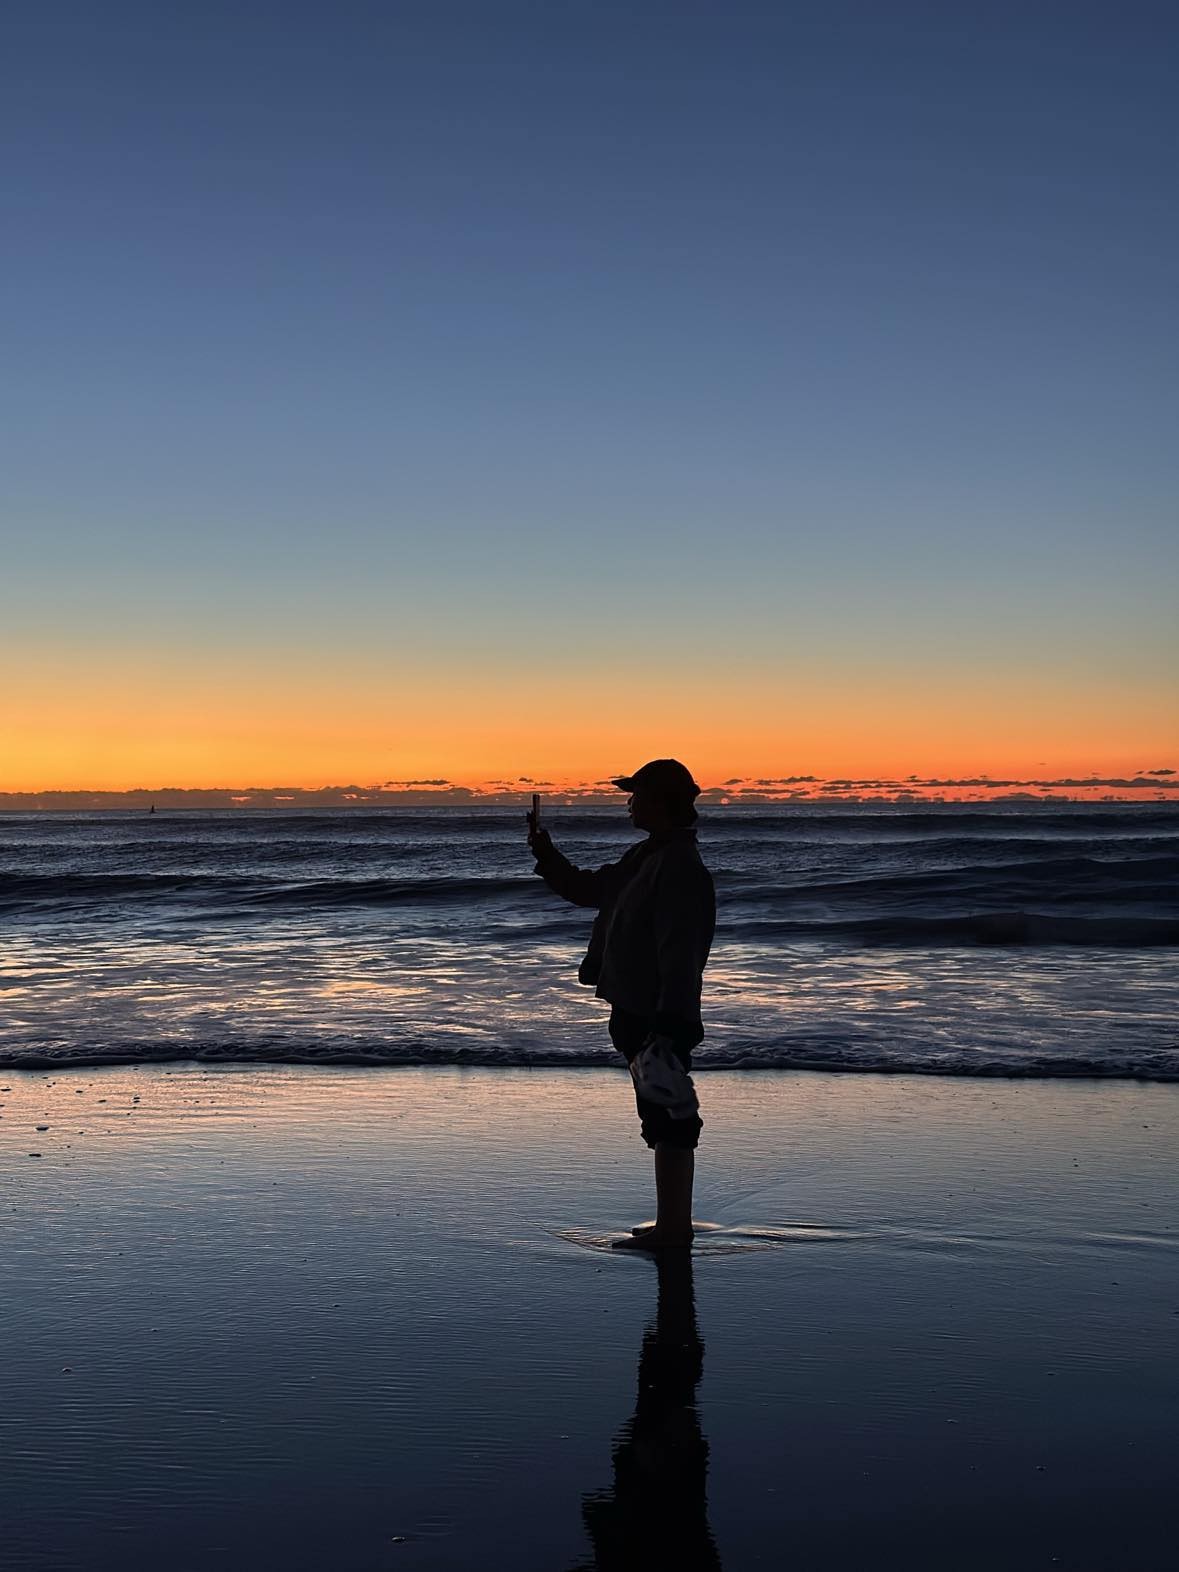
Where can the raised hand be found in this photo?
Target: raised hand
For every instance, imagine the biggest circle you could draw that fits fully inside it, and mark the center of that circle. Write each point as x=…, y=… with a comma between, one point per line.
x=539, y=840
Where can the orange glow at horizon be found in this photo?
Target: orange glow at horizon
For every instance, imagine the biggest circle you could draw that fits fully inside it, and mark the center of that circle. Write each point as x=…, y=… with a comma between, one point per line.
x=188, y=726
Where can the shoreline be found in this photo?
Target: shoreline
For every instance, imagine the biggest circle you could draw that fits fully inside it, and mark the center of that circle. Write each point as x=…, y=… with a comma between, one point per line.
x=1060, y=1070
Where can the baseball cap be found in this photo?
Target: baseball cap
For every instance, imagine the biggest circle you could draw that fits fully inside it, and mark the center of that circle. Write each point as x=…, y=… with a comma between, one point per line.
x=668, y=776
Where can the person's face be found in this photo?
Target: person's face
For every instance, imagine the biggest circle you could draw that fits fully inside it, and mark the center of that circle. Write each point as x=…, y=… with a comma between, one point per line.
x=646, y=812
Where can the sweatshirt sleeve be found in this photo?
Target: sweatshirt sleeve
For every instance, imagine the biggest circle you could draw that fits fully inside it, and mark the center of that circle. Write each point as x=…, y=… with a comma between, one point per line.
x=685, y=919
x=594, y=887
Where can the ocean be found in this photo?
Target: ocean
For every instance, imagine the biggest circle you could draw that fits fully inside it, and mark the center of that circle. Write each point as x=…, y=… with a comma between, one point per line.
x=941, y=939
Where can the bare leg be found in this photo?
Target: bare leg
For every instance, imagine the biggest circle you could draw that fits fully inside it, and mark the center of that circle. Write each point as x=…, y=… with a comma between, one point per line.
x=675, y=1169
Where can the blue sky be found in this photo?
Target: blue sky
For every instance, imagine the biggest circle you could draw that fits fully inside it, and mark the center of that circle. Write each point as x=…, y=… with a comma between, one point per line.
x=468, y=331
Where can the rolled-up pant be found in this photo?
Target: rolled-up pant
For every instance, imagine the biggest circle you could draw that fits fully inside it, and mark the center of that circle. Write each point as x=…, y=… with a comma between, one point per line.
x=628, y=1033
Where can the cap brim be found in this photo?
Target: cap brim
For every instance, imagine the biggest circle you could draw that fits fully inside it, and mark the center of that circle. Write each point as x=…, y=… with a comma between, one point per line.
x=624, y=782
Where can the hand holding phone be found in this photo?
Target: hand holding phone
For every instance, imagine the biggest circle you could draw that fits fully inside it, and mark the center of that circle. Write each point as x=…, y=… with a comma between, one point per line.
x=535, y=833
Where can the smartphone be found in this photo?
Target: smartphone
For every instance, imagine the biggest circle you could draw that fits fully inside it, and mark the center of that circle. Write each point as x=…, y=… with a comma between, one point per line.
x=536, y=810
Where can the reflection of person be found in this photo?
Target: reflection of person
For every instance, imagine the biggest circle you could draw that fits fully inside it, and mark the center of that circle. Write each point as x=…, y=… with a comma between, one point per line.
x=657, y=1513
x=650, y=940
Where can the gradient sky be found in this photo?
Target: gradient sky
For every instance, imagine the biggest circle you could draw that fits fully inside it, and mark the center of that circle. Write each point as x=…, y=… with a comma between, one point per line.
x=476, y=390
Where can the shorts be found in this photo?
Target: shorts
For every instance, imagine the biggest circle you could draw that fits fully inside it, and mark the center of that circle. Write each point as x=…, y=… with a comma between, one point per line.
x=628, y=1033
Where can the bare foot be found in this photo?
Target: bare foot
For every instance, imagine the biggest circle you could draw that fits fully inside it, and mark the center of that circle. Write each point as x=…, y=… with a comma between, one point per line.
x=643, y=1228
x=651, y=1239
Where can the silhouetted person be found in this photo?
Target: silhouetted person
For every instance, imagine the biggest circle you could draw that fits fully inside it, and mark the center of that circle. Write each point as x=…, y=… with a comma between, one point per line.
x=656, y=1515
x=650, y=941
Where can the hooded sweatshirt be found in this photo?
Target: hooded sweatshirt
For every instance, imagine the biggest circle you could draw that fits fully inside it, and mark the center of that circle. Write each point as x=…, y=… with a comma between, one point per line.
x=650, y=940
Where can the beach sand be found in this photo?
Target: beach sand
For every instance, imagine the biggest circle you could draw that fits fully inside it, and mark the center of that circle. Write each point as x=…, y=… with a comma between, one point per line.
x=335, y=1318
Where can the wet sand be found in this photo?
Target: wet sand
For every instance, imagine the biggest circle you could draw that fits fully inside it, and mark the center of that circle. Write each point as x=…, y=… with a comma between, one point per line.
x=368, y=1318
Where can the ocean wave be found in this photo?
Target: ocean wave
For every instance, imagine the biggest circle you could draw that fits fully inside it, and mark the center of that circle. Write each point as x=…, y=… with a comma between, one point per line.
x=1016, y=904
x=20, y=890
x=1035, y=816
x=845, y=1057
x=1065, y=876
x=975, y=928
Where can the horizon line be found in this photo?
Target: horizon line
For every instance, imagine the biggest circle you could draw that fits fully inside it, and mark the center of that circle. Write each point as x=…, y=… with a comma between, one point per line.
x=439, y=792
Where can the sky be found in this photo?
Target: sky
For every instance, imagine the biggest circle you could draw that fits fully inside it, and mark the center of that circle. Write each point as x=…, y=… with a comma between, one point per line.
x=475, y=392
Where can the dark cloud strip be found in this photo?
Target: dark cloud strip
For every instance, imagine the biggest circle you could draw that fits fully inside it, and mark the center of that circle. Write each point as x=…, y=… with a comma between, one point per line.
x=438, y=791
